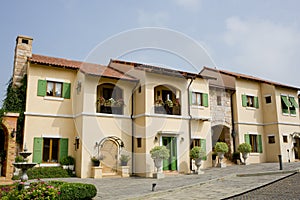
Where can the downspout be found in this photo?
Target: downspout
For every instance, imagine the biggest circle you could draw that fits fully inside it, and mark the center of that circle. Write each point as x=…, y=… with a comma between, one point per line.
x=233, y=133
x=189, y=112
x=132, y=128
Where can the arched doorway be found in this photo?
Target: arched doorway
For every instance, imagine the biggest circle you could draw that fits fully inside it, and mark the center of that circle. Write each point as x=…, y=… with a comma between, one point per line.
x=110, y=148
x=221, y=133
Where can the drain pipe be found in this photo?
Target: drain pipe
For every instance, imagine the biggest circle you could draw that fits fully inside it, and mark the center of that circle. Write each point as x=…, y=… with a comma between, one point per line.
x=132, y=129
x=189, y=112
x=233, y=133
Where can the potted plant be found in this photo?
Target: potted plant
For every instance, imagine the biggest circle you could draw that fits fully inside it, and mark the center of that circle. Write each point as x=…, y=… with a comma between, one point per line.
x=221, y=148
x=96, y=160
x=169, y=103
x=158, y=153
x=110, y=102
x=245, y=149
x=67, y=162
x=124, y=159
x=101, y=101
x=197, y=154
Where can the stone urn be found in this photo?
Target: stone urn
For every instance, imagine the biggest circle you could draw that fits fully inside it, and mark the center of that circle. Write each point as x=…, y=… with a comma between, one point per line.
x=198, y=162
x=245, y=156
x=220, y=158
x=158, y=164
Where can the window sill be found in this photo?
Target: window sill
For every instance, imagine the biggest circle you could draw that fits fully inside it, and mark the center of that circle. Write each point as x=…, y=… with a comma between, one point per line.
x=285, y=114
x=250, y=108
x=49, y=164
x=254, y=154
x=198, y=107
x=293, y=115
x=53, y=98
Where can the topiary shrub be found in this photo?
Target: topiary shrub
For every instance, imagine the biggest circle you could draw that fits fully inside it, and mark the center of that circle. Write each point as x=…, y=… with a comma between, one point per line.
x=45, y=172
x=244, y=148
x=159, y=152
x=197, y=152
x=221, y=147
x=71, y=191
x=67, y=160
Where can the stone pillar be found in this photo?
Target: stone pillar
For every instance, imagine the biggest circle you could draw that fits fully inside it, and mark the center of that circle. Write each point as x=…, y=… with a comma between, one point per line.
x=23, y=50
x=9, y=122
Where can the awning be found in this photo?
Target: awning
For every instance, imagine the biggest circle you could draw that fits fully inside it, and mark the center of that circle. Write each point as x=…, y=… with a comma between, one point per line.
x=293, y=101
x=286, y=101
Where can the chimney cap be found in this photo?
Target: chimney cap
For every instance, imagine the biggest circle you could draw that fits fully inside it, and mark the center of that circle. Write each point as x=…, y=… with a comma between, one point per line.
x=24, y=37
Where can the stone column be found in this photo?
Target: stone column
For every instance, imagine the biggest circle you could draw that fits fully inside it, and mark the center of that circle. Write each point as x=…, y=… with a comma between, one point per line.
x=9, y=122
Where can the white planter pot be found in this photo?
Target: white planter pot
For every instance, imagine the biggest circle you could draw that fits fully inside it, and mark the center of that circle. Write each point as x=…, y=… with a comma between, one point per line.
x=198, y=162
x=220, y=158
x=245, y=156
x=158, y=164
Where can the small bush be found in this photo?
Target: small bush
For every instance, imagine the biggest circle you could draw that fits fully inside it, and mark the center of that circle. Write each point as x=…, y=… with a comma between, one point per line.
x=160, y=152
x=45, y=172
x=221, y=147
x=67, y=160
x=244, y=148
x=70, y=191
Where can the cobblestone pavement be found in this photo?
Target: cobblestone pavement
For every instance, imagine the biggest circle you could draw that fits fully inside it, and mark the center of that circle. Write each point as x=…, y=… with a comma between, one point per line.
x=287, y=188
x=215, y=183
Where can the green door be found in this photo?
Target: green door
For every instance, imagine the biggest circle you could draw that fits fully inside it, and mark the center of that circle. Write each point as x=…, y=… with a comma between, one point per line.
x=171, y=144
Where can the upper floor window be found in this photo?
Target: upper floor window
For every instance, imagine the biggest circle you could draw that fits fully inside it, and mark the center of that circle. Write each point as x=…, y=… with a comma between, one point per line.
x=288, y=104
x=268, y=99
x=109, y=99
x=199, y=99
x=219, y=100
x=250, y=101
x=167, y=100
x=54, y=89
x=255, y=142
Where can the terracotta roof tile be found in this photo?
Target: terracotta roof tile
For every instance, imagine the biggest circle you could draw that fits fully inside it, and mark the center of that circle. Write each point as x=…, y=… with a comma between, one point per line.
x=87, y=68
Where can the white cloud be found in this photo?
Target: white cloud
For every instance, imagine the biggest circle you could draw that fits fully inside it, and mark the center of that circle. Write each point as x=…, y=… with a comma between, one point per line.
x=152, y=18
x=264, y=48
x=191, y=5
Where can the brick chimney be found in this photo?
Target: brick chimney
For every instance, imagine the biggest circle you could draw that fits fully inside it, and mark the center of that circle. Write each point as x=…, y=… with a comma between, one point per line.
x=23, y=50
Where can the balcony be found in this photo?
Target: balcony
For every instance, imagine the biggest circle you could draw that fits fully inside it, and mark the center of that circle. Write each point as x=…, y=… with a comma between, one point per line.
x=167, y=108
x=110, y=106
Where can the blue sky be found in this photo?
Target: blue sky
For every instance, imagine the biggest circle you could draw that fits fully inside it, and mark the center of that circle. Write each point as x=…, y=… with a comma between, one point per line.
x=260, y=38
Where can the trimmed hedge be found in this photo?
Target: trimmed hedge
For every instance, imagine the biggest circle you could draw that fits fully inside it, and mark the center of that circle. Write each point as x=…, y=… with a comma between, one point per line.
x=45, y=172
x=69, y=191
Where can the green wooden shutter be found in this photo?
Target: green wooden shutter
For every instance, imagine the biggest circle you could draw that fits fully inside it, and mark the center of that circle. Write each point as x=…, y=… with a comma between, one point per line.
x=256, y=105
x=66, y=90
x=259, y=144
x=203, y=147
x=205, y=99
x=244, y=100
x=42, y=88
x=247, y=138
x=63, y=147
x=293, y=101
x=37, y=150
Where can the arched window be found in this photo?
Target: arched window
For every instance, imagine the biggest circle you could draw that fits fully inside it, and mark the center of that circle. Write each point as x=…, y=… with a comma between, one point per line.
x=109, y=99
x=167, y=100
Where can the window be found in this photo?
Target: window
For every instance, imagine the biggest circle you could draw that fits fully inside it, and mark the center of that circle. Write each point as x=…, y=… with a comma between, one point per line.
x=199, y=99
x=250, y=101
x=54, y=89
x=140, y=88
x=139, y=142
x=255, y=142
x=24, y=41
x=109, y=99
x=167, y=100
x=49, y=150
x=271, y=139
x=285, y=139
x=268, y=99
x=288, y=105
x=219, y=100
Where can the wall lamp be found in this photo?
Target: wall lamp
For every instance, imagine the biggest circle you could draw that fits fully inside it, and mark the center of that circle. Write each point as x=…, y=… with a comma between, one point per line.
x=13, y=133
x=76, y=144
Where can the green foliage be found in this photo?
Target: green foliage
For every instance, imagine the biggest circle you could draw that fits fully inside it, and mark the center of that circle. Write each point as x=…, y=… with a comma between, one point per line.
x=15, y=101
x=19, y=159
x=67, y=160
x=48, y=190
x=124, y=158
x=160, y=152
x=197, y=152
x=221, y=147
x=244, y=148
x=45, y=172
x=70, y=191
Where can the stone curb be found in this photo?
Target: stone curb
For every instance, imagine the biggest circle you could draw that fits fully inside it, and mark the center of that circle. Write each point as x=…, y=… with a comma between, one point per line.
x=268, y=173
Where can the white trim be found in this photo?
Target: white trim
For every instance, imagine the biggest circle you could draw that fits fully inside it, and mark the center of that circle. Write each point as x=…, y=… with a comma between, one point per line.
x=271, y=135
x=48, y=115
x=53, y=98
x=49, y=164
x=51, y=136
x=161, y=116
x=267, y=124
x=170, y=133
x=197, y=107
x=251, y=108
x=105, y=115
x=197, y=91
x=252, y=133
x=57, y=80
x=284, y=95
x=268, y=95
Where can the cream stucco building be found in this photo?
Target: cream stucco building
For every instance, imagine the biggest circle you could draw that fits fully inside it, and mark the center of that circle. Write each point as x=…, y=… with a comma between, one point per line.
x=84, y=110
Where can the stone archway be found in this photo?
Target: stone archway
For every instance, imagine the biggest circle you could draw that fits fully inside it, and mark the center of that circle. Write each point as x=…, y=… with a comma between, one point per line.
x=221, y=133
x=9, y=125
